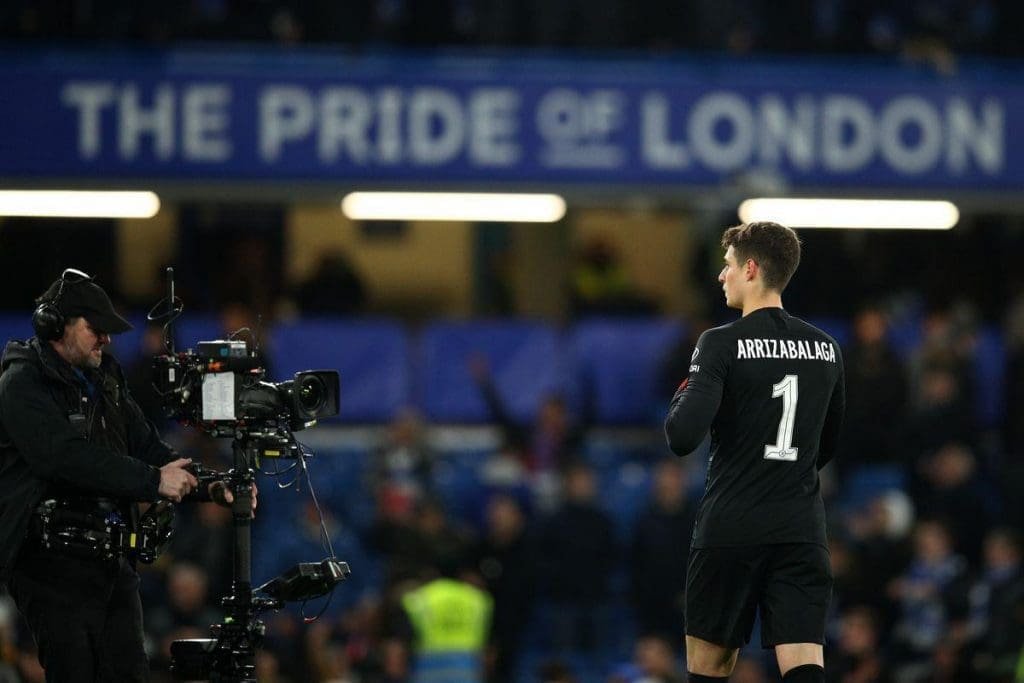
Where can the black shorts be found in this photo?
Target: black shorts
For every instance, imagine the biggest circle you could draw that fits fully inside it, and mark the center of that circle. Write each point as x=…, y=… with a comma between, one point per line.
x=790, y=583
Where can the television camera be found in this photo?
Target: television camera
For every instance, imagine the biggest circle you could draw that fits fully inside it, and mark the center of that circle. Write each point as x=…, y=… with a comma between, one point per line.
x=220, y=389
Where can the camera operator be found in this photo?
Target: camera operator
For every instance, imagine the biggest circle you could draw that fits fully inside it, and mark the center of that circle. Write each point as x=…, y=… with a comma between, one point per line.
x=70, y=432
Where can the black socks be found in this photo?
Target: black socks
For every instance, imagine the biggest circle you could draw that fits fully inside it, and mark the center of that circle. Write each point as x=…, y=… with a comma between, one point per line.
x=805, y=673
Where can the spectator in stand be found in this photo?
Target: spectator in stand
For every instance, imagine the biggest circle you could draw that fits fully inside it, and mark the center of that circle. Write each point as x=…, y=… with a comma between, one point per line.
x=139, y=375
x=546, y=446
x=187, y=612
x=658, y=560
x=336, y=287
x=1013, y=418
x=577, y=556
x=992, y=626
x=942, y=413
x=923, y=591
x=949, y=337
x=404, y=462
x=654, y=661
x=241, y=321
x=8, y=640
x=507, y=559
x=601, y=284
x=726, y=26
x=327, y=656
x=448, y=623
x=446, y=543
x=657, y=660
x=555, y=671
x=954, y=493
x=412, y=538
x=206, y=538
x=857, y=657
x=748, y=670
x=878, y=538
x=876, y=394
x=394, y=538
x=268, y=669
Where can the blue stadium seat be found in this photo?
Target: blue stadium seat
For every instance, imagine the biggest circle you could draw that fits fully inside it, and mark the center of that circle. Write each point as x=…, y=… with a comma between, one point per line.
x=624, y=491
x=870, y=481
x=617, y=364
x=605, y=452
x=525, y=358
x=127, y=346
x=372, y=357
x=458, y=483
x=15, y=326
x=989, y=376
x=190, y=329
x=905, y=335
x=837, y=328
x=339, y=474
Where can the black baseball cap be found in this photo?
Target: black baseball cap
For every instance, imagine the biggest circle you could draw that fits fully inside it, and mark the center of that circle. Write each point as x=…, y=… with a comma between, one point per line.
x=87, y=299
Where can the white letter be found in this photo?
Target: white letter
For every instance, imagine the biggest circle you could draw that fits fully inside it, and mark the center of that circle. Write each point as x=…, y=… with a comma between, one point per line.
x=602, y=112
x=345, y=117
x=778, y=130
x=710, y=111
x=740, y=351
x=431, y=105
x=838, y=153
x=136, y=122
x=205, y=122
x=560, y=117
x=658, y=151
x=492, y=115
x=286, y=113
x=984, y=138
x=902, y=155
x=89, y=98
x=389, y=127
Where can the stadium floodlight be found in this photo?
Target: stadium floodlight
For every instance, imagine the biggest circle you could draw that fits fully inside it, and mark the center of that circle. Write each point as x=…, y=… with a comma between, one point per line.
x=891, y=214
x=454, y=206
x=78, y=204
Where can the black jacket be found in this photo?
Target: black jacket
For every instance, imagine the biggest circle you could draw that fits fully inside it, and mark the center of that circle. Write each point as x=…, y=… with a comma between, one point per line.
x=55, y=440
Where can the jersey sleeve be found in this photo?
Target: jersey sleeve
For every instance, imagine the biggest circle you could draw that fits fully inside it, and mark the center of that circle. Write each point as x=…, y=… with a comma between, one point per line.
x=830, y=431
x=696, y=402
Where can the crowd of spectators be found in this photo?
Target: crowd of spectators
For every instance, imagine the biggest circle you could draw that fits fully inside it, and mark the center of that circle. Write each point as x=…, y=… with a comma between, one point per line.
x=927, y=521
x=925, y=539
x=738, y=26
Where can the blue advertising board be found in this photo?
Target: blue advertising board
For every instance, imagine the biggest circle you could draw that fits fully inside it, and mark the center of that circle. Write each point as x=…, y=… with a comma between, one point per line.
x=505, y=119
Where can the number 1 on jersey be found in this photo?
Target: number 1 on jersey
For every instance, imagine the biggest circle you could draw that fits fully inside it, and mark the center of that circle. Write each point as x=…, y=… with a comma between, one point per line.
x=783, y=448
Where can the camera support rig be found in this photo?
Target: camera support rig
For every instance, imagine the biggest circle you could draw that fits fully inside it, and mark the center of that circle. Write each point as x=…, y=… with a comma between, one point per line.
x=260, y=417
x=230, y=655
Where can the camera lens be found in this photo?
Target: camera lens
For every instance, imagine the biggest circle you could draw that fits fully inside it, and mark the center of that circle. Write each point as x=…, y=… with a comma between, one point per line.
x=312, y=394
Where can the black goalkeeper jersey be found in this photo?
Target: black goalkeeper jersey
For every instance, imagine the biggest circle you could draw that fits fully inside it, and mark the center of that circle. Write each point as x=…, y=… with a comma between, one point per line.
x=770, y=388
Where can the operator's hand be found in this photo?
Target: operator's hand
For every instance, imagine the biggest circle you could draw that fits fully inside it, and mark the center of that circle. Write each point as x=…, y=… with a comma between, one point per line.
x=221, y=494
x=175, y=481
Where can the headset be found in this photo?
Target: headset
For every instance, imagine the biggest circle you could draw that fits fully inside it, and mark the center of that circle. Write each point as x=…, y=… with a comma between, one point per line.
x=48, y=320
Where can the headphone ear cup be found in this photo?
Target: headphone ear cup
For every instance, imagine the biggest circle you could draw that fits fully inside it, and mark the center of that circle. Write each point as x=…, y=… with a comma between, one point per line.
x=48, y=322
